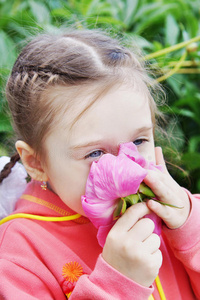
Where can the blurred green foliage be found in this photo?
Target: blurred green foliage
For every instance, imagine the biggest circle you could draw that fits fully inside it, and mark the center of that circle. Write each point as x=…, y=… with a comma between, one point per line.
x=154, y=25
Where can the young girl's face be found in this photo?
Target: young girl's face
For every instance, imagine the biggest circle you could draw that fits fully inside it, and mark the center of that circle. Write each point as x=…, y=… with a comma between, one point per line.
x=120, y=116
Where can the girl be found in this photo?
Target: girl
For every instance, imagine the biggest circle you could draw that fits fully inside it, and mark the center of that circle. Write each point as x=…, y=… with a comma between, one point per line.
x=73, y=98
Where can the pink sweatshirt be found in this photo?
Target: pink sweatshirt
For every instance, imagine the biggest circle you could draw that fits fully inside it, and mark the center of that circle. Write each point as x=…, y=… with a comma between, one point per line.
x=59, y=260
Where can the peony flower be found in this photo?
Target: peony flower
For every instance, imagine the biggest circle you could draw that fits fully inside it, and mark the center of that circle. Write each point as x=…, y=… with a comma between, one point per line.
x=114, y=183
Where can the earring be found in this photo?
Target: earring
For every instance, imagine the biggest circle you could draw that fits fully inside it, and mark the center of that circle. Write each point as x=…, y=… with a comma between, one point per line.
x=44, y=186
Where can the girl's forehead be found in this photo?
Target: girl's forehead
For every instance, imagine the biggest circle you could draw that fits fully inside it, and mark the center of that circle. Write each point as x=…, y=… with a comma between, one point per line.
x=119, y=113
x=77, y=104
x=118, y=116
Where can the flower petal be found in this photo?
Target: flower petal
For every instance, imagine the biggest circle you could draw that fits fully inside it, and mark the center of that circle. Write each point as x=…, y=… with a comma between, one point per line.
x=130, y=150
x=110, y=179
x=103, y=232
x=99, y=213
x=116, y=177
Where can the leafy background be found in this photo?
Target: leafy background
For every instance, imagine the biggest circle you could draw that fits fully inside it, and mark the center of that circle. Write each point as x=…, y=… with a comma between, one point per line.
x=155, y=25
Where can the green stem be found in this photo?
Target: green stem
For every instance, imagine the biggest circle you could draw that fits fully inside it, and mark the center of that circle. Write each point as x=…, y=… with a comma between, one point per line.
x=174, y=70
x=171, y=49
x=167, y=204
x=188, y=71
x=187, y=63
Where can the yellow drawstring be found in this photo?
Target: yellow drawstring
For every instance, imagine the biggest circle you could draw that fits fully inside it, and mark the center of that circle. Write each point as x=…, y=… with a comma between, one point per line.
x=41, y=218
x=160, y=290
x=69, y=218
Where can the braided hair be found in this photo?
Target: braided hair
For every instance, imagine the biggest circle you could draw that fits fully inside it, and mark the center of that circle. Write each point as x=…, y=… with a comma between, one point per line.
x=7, y=168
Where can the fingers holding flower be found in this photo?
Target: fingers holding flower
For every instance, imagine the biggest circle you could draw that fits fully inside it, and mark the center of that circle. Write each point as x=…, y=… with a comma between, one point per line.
x=167, y=190
x=132, y=248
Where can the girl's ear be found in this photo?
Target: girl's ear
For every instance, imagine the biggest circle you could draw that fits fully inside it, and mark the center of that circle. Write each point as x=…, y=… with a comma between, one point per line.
x=31, y=162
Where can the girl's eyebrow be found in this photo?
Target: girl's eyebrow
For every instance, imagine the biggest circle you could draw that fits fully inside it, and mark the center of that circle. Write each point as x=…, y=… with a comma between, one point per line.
x=143, y=129
x=86, y=144
x=100, y=141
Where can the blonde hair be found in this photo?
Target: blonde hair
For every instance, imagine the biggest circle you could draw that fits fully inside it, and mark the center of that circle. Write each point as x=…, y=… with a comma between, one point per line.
x=72, y=59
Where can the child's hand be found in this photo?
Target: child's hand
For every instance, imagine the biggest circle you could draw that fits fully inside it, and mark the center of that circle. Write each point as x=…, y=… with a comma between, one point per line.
x=132, y=248
x=167, y=190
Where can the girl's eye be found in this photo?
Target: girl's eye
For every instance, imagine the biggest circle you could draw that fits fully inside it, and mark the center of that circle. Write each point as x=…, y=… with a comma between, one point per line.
x=139, y=142
x=95, y=154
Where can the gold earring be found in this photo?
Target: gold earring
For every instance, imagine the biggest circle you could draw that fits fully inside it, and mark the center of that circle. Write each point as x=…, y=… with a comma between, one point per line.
x=44, y=185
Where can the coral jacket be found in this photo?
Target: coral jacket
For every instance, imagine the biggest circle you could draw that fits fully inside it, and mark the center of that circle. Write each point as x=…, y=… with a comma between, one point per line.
x=59, y=260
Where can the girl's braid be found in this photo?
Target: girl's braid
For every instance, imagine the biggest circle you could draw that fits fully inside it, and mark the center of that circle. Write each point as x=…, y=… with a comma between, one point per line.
x=7, y=168
x=31, y=76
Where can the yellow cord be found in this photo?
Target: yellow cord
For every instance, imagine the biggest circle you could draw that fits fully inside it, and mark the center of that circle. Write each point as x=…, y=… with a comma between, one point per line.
x=69, y=218
x=160, y=289
x=40, y=218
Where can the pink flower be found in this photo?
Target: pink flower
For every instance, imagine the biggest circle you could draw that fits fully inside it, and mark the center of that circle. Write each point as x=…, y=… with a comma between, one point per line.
x=110, y=181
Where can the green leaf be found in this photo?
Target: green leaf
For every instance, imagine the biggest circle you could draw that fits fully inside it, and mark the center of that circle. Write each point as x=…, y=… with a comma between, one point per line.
x=191, y=160
x=130, y=9
x=140, y=41
x=97, y=8
x=171, y=30
x=132, y=199
x=153, y=17
x=40, y=12
x=120, y=209
x=146, y=10
x=7, y=50
x=183, y=112
x=194, y=144
x=105, y=21
x=192, y=23
x=61, y=12
x=145, y=190
x=5, y=125
x=117, y=9
x=175, y=85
